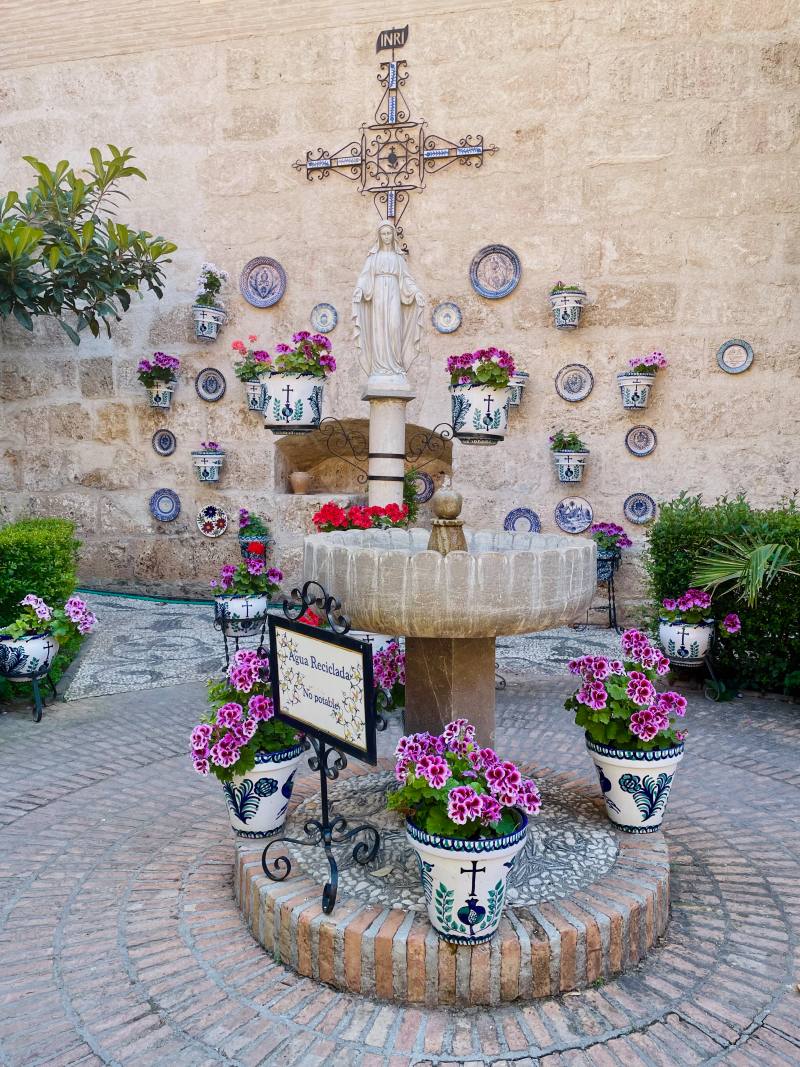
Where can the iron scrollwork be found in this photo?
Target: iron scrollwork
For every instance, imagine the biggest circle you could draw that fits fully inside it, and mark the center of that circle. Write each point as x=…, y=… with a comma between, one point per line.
x=432, y=441
x=342, y=443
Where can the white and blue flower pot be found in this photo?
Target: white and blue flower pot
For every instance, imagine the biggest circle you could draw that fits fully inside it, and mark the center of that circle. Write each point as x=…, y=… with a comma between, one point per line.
x=239, y=616
x=258, y=800
x=161, y=394
x=608, y=560
x=480, y=413
x=244, y=541
x=207, y=465
x=567, y=307
x=635, y=784
x=207, y=321
x=516, y=385
x=292, y=402
x=256, y=395
x=570, y=465
x=24, y=658
x=465, y=881
x=635, y=389
x=686, y=644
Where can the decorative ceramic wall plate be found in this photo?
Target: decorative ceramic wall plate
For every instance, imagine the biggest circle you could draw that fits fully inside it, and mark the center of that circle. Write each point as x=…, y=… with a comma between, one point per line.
x=639, y=508
x=212, y=521
x=263, y=282
x=640, y=440
x=574, y=382
x=735, y=356
x=446, y=317
x=495, y=271
x=515, y=521
x=324, y=317
x=165, y=505
x=210, y=384
x=164, y=442
x=425, y=487
x=573, y=514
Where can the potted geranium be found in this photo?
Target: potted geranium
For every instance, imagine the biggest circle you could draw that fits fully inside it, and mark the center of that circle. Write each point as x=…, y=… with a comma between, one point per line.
x=29, y=644
x=251, y=369
x=610, y=540
x=480, y=394
x=570, y=455
x=208, y=460
x=255, y=537
x=635, y=384
x=686, y=626
x=294, y=383
x=630, y=729
x=332, y=516
x=466, y=815
x=242, y=605
x=389, y=675
x=158, y=376
x=567, y=303
x=242, y=743
x=208, y=310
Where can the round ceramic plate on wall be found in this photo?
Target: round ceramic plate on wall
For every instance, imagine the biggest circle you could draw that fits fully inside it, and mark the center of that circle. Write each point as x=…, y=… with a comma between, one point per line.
x=424, y=485
x=262, y=282
x=495, y=271
x=165, y=505
x=735, y=356
x=164, y=442
x=210, y=384
x=212, y=521
x=573, y=514
x=639, y=508
x=446, y=317
x=574, y=382
x=522, y=520
x=324, y=317
x=640, y=440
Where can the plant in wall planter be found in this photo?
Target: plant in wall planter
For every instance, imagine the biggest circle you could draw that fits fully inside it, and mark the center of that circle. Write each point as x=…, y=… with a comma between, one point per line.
x=208, y=460
x=158, y=376
x=242, y=743
x=610, y=540
x=631, y=730
x=29, y=644
x=332, y=516
x=466, y=815
x=686, y=627
x=570, y=454
x=295, y=382
x=255, y=538
x=480, y=395
x=208, y=310
x=635, y=384
x=389, y=675
x=242, y=605
x=567, y=303
x=251, y=370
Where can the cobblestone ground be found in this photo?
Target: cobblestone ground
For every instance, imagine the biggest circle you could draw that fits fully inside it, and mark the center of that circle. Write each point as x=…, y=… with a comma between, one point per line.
x=121, y=943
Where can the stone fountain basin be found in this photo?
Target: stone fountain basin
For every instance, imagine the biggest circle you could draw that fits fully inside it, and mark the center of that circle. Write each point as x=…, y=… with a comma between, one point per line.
x=507, y=583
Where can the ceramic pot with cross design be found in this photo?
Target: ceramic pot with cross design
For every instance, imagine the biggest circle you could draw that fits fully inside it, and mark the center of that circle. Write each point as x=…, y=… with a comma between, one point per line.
x=635, y=389
x=465, y=881
x=207, y=321
x=238, y=616
x=27, y=657
x=480, y=412
x=292, y=402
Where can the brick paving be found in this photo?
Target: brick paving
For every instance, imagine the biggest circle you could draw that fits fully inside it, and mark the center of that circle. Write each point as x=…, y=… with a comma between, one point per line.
x=121, y=944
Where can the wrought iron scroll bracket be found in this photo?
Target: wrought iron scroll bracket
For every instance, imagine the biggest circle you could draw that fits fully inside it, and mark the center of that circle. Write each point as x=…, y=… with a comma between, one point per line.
x=342, y=443
x=432, y=441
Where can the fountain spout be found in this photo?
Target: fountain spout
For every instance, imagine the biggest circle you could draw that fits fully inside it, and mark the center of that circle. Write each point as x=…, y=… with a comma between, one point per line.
x=447, y=533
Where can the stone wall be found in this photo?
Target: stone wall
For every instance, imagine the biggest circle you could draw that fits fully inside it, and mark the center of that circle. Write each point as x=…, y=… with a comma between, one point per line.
x=648, y=152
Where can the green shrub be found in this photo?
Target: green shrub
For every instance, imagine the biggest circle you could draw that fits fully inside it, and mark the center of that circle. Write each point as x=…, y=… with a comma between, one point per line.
x=766, y=654
x=36, y=556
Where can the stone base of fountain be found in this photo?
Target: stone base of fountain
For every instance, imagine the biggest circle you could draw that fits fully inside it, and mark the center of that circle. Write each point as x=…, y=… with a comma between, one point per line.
x=584, y=902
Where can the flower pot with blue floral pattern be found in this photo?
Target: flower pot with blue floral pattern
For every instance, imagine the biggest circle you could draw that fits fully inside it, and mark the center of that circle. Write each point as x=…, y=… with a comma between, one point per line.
x=256, y=395
x=569, y=465
x=635, y=389
x=292, y=402
x=465, y=881
x=258, y=799
x=635, y=785
x=24, y=658
x=161, y=394
x=480, y=413
x=207, y=465
x=238, y=616
x=686, y=644
x=608, y=560
x=207, y=321
x=567, y=306
x=516, y=385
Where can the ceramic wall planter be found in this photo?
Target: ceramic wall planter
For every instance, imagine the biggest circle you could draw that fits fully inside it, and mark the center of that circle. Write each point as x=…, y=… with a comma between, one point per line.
x=517, y=384
x=292, y=402
x=27, y=657
x=161, y=394
x=608, y=560
x=207, y=465
x=635, y=389
x=567, y=307
x=480, y=413
x=570, y=465
x=635, y=785
x=300, y=482
x=685, y=643
x=208, y=321
x=465, y=881
x=256, y=395
x=260, y=547
x=258, y=800
x=239, y=616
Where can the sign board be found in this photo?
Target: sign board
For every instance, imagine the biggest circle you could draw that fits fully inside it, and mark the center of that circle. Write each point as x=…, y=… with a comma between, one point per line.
x=391, y=39
x=322, y=685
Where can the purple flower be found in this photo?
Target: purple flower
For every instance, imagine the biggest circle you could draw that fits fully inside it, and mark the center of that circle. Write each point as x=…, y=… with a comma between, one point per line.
x=732, y=623
x=434, y=770
x=260, y=708
x=528, y=797
x=491, y=809
x=201, y=735
x=201, y=765
x=274, y=574
x=229, y=714
x=255, y=567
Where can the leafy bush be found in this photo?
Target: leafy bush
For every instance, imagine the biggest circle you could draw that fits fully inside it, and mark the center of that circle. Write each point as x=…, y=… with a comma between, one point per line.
x=36, y=556
x=766, y=654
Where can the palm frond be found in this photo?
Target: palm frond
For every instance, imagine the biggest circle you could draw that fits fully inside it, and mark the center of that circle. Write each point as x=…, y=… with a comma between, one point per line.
x=743, y=565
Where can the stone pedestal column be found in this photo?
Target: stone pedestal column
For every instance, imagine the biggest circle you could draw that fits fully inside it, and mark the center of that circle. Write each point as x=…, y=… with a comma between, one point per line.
x=450, y=678
x=387, y=439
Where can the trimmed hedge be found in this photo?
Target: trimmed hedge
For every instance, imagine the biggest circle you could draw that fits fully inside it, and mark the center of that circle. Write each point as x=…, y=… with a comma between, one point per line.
x=766, y=654
x=37, y=556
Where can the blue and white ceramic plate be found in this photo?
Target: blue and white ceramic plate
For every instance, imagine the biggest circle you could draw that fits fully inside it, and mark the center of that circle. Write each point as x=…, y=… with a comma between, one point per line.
x=324, y=317
x=165, y=505
x=640, y=440
x=735, y=356
x=574, y=382
x=573, y=514
x=212, y=521
x=495, y=271
x=164, y=442
x=425, y=487
x=446, y=317
x=210, y=384
x=262, y=282
x=639, y=508
x=515, y=521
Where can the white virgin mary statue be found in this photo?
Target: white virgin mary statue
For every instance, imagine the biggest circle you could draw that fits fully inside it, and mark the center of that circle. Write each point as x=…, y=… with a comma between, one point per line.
x=387, y=311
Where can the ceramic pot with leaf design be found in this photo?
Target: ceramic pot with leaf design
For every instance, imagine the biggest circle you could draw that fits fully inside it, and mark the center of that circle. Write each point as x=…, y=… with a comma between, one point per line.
x=292, y=402
x=259, y=799
x=635, y=784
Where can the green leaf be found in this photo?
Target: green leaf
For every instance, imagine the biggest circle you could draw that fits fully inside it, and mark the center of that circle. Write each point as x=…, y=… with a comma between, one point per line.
x=68, y=330
x=22, y=317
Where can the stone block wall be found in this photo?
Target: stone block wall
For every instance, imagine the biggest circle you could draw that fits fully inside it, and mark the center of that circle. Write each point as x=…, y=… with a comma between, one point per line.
x=649, y=153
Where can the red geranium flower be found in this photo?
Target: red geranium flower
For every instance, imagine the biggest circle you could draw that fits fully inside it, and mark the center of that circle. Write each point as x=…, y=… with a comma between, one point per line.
x=256, y=547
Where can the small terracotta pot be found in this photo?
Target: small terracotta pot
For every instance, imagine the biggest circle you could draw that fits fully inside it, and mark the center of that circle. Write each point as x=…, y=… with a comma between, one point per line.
x=300, y=481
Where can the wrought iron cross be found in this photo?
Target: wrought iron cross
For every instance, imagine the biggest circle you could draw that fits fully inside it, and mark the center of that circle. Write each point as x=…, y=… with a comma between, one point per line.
x=395, y=153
